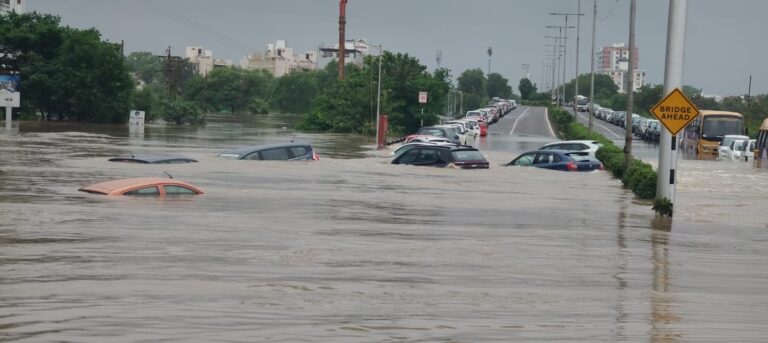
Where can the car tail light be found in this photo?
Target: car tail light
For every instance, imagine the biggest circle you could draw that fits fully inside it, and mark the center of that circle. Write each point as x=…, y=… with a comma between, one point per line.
x=314, y=156
x=572, y=166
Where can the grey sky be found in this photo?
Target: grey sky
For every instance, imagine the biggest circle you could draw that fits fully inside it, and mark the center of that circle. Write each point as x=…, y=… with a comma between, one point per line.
x=725, y=41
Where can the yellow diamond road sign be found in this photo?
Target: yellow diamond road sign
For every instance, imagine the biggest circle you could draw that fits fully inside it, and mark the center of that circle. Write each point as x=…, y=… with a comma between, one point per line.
x=675, y=111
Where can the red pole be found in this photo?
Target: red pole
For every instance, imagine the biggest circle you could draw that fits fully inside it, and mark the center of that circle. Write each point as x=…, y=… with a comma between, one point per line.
x=382, y=134
x=342, y=23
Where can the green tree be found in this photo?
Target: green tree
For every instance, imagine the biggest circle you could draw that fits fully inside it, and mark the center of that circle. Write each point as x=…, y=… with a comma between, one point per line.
x=294, y=92
x=691, y=91
x=527, y=89
x=92, y=81
x=68, y=72
x=344, y=106
x=473, y=84
x=498, y=86
x=145, y=65
x=647, y=96
x=228, y=89
x=605, y=88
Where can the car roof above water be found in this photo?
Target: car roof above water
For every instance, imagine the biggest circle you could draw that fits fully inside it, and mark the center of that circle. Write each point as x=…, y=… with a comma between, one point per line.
x=251, y=149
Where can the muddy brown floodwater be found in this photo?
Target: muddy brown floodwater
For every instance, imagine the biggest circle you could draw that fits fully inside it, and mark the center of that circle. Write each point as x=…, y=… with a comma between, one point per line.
x=353, y=249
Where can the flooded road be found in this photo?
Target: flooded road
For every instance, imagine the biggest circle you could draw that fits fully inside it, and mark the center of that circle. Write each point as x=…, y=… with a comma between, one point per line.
x=353, y=249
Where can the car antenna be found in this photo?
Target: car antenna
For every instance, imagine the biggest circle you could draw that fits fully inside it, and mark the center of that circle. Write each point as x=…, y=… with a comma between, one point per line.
x=169, y=175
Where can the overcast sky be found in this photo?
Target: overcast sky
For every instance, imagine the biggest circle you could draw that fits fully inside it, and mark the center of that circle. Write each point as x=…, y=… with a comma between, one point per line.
x=725, y=40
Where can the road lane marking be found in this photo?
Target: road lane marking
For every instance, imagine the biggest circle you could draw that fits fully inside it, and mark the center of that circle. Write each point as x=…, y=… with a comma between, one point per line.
x=600, y=125
x=518, y=119
x=546, y=116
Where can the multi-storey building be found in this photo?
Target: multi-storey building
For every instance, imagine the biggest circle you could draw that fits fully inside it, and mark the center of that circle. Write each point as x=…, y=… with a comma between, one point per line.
x=354, y=51
x=204, y=60
x=614, y=61
x=279, y=60
x=12, y=6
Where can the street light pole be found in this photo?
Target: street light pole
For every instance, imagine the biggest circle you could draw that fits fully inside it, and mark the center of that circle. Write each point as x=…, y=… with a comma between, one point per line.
x=673, y=78
x=592, y=67
x=564, y=39
x=378, y=94
x=630, y=87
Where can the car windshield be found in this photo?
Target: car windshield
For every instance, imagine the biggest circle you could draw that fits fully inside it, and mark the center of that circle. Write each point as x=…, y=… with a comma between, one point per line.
x=468, y=155
x=719, y=126
x=432, y=132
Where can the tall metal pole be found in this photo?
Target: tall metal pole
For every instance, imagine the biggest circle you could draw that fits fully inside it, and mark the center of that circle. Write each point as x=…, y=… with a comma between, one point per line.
x=565, y=55
x=673, y=78
x=578, y=38
x=592, y=67
x=630, y=87
x=378, y=95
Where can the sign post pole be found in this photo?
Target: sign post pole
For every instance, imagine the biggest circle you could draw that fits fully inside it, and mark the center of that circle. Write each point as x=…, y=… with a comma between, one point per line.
x=8, y=117
x=673, y=79
x=9, y=100
x=422, y=101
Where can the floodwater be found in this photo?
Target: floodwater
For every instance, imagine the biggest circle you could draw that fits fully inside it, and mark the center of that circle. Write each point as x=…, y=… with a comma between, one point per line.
x=353, y=249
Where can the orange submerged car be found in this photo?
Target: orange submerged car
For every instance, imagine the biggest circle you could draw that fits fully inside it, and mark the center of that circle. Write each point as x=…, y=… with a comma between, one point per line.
x=146, y=186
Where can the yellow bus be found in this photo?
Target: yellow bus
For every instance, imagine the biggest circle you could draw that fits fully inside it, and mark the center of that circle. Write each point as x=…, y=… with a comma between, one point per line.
x=761, y=148
x=704, y=134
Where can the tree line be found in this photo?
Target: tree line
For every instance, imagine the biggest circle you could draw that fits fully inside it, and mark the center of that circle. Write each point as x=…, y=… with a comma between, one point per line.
x=74, y=75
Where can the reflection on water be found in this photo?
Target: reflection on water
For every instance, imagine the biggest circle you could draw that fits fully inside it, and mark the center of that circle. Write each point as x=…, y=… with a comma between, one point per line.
x=351, y=248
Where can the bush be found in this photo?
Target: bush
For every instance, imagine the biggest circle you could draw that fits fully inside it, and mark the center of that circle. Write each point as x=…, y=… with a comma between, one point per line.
x=258, y=106
x=641, y=179
x=182, y=113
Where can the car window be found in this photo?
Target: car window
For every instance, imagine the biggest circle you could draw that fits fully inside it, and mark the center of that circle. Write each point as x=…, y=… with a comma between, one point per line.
x=468, y=155
x=524, y=160
x=298, y=151
x=427, y=156
x=553, y=147
x=274, y=154
x=177, y=190
x=580, y=146
x=409, y=157
x=543, y=158
x=252, y=156
x=151, y=190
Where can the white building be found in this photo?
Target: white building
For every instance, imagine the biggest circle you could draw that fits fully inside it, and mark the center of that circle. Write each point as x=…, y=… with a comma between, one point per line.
x=12, y=6
x=614, y=61
x=354, y=51
x=202, y=58
x=280, y=60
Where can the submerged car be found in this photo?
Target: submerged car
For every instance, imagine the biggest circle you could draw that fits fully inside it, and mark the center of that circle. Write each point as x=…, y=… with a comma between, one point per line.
x=146, y=186
x=443, y=156
x=274, y=152
x=152, y=159
x=579, y=145
x=558, y=160
x=408, y=146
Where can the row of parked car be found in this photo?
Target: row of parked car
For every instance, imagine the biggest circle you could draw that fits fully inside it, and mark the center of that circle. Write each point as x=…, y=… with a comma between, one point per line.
x=646, y=128
x=464, y=131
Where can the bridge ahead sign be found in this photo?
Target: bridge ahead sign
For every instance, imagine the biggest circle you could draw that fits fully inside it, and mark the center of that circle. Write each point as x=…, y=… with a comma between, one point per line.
x=675, y=111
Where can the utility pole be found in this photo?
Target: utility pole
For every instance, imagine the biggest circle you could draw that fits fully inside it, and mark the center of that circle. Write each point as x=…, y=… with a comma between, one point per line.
x=378, y=94
x=592, y=67
x=673, y=78
x=439, y=57
x=490, y=53
x=564, y=39
x=578, y=15
x=749, y=90
x=342, y=40
x=630, y=87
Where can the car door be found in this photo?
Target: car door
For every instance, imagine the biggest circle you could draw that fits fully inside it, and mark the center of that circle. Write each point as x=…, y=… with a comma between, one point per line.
x=523, y=160
x=547, y=160
x=275, y=154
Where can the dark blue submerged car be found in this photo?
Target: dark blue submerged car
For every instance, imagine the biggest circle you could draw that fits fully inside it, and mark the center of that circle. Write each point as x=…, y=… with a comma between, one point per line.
x=558, y=160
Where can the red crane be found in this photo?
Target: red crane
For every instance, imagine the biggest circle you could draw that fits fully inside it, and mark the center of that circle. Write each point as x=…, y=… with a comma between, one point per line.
x=342, y=23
